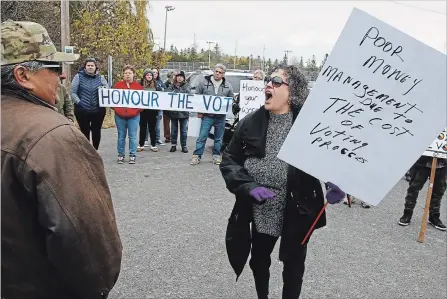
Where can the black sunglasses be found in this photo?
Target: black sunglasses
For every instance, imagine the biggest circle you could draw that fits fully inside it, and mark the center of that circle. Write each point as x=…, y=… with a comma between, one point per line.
x=276, y=81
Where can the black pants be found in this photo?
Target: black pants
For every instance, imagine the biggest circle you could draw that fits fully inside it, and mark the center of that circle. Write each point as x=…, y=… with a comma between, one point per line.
x=293, y=271
x=148, y=118
x=183, y=131
x=91, y=122
x=419, y=176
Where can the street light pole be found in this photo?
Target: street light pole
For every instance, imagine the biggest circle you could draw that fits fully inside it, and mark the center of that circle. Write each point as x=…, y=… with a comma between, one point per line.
x=209, y=53
x=250, y=62
x=287, y=55
x=168, y=8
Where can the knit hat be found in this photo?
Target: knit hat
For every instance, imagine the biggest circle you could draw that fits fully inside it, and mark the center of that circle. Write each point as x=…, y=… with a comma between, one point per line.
x=148, y=71
x=182, y=74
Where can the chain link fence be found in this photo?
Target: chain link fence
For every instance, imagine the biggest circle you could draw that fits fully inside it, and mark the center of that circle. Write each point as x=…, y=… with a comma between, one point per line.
x=185, y=66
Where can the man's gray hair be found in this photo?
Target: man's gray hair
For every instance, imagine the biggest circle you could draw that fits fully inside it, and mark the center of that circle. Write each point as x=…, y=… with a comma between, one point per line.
x=7, y=73
x=220, y=66
x=260, y=72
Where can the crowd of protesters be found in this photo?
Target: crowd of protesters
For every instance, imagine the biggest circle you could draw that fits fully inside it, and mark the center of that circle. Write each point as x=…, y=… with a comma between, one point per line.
x=60, y=238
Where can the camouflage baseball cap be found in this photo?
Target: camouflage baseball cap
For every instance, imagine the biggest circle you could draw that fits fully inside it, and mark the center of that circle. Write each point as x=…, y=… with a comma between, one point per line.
x=28, y=41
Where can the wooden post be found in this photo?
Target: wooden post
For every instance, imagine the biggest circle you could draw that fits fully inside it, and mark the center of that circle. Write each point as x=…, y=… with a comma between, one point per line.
x=65, y=36
x=427, y=201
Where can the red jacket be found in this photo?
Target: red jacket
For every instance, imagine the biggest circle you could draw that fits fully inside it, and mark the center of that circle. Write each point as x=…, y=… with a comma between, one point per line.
x=127, y=112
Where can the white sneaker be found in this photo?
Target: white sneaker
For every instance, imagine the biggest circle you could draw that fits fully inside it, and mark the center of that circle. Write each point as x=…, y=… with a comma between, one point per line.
x=217, y=159
x=154, y=148
x=195, y=160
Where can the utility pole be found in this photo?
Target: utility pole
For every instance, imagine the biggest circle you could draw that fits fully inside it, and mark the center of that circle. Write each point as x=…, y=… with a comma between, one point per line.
x=65, y=35
x=168, y=8
x=263, y=58
x=209, y=53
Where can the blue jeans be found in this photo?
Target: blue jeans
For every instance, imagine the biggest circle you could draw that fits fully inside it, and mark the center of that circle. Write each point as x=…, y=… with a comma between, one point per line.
x=123, y=126
x=218, y=122
x=183, y=130
x=157, y=128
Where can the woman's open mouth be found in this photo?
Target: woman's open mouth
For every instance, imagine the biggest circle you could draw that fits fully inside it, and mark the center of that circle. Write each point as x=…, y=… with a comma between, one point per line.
x=268, y=95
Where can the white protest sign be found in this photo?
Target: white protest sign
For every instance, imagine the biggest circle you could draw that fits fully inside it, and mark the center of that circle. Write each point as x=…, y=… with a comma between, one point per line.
x=194, y=124
x=438, y=148
x=251, y=96
x=378, y=101
x=144, y=99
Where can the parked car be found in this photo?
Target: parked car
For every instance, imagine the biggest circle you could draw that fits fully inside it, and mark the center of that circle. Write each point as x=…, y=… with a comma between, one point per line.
x=233, y=77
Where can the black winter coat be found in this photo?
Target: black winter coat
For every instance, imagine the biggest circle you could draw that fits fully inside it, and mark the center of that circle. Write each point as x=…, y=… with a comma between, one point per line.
x=183, y=88
x=304, y=201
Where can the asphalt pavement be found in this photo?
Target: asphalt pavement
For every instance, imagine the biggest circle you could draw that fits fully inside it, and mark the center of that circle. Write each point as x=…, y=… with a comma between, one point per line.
x=172, y=219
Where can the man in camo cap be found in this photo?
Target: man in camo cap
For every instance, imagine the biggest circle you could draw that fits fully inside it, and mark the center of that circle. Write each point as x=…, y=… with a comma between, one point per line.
x=59, y=235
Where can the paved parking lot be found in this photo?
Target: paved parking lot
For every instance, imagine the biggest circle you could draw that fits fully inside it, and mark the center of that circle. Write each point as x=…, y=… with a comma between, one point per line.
x=172, y=220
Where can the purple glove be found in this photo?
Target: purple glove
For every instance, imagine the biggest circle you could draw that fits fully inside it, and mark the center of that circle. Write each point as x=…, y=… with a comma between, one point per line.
x=261, y=194
x=334, y=194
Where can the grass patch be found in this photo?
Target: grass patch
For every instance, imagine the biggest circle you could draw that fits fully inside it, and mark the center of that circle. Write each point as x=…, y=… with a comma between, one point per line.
x=109, y=120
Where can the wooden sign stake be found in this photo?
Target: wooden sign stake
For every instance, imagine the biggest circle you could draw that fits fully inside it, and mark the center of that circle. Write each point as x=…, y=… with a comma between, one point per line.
x=427, y=201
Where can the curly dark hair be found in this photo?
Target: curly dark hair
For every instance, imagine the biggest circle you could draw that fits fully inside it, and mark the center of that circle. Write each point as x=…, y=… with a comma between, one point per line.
x=298, y=84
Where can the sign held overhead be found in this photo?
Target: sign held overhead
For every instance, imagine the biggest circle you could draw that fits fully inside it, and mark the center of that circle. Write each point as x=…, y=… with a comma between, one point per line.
x=378, y=101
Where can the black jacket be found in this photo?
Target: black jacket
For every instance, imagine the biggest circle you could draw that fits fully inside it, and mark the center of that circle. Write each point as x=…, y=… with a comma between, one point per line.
x=304, y=201
x=183, y=88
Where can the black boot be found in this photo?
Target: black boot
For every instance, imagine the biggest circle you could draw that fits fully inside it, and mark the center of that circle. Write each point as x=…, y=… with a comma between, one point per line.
x=184, y=150
x=173, y=149
x=406, y=218
x=436, y=222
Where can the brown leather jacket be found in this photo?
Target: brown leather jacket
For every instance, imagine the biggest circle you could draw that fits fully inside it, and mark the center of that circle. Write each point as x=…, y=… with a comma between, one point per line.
x=59, y=235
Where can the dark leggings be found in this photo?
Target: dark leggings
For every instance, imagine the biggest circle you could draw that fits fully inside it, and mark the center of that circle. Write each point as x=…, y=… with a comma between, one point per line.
x=148, y=117
x=293, y=271
x=420, y=175
x=91, y=122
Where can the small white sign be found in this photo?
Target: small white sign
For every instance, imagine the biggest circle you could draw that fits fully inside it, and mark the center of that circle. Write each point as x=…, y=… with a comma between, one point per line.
x=69, y=49
x=438, y=148
x=378, y=101
x=251, y=96
x=194, y=126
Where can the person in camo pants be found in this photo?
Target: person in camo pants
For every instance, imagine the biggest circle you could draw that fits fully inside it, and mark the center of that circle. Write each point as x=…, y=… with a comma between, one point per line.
x=419, y=175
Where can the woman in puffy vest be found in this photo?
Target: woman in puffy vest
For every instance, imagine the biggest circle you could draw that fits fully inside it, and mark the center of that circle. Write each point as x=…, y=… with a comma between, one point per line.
x=84, y=93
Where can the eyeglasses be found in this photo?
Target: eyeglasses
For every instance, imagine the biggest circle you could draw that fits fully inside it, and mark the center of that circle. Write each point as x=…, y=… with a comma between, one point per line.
x=276, y=81
x=56, y=68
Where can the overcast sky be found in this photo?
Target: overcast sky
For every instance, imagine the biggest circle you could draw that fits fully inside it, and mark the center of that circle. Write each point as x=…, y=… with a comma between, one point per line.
x=304, y=27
